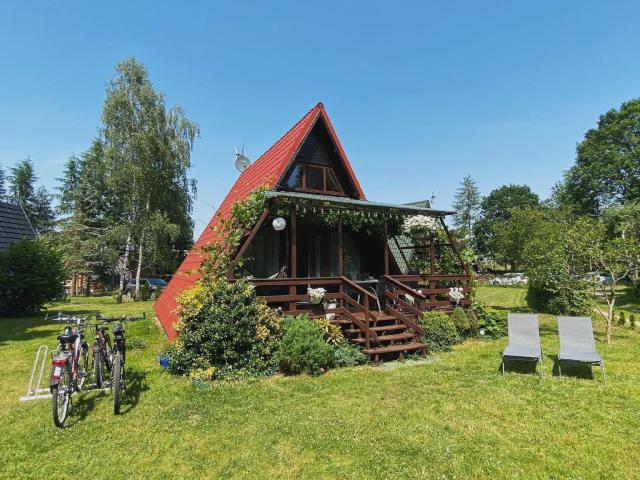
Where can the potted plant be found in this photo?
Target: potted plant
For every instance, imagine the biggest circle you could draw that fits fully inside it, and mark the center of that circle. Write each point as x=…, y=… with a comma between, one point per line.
x=330, y=305
x=456, y=294
x=316, y=295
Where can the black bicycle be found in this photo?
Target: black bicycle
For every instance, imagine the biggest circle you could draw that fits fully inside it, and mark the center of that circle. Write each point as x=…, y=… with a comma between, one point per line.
x=118, y=357
x=101, y=353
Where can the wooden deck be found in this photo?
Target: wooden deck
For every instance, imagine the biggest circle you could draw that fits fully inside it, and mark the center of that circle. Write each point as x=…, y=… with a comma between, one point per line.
x=387, y=334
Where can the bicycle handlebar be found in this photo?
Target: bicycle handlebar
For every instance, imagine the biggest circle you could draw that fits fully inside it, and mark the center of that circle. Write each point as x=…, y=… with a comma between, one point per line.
x=122, y=318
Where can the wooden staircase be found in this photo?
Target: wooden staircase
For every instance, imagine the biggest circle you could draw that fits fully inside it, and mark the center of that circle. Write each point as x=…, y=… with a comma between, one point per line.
x=393, y=338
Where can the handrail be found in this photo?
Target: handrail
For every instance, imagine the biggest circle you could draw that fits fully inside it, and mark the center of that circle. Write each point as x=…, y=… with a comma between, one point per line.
x=395, y=298
x=404, y=287
x=408, y=322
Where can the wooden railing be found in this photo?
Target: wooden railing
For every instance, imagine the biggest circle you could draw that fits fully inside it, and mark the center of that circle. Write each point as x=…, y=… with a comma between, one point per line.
x=336, y=290
x=432, y=288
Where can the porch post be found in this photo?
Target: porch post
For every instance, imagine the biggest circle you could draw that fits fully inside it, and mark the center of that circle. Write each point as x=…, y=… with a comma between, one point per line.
x=293, y=268
x=340, y=247
x=386, y=247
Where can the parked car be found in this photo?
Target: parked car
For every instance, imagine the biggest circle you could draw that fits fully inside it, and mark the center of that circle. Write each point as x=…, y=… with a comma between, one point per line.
x=155, y=285
x=599, y=278
x=511, y=279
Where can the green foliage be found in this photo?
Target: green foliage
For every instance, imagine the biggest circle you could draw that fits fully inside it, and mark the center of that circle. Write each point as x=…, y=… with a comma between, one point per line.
x=467, y=204
x=440, y=332
x=498, y=207
x=348, y=355
x=303, y=348
x=145, y=292
x=36, y=202
x=621, y=320
x=31, y=274
x=224, y=325
x=474, y=322
x=491, y=324
x=632, y=321
x=331, y=332
x=461, y=321
x=607, y=162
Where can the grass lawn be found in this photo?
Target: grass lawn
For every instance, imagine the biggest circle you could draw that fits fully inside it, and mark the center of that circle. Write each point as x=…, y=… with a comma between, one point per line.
x=449, y=416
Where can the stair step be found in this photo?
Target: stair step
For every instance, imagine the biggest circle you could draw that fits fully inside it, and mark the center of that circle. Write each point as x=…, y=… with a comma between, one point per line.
x=383, y=328
x=403, y=347
x=375, y=316
x=387, y=338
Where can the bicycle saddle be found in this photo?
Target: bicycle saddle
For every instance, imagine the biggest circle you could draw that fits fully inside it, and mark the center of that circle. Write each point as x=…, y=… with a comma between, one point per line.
x=69, y=338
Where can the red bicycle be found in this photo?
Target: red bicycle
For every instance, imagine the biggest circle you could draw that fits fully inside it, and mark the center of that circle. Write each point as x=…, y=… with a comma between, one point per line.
x=69, y=365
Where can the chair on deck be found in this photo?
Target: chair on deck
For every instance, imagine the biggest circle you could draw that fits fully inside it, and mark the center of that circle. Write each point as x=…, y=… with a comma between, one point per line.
x=577, y=345
x=524, y=340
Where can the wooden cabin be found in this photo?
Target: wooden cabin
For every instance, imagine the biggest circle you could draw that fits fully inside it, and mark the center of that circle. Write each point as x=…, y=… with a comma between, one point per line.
x=366, y=271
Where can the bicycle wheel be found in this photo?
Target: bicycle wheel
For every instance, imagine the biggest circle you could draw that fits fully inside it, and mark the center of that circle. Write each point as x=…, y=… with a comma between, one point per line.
x=61, y=395
x=83, y=367
x=116, y=381
x=97, y=368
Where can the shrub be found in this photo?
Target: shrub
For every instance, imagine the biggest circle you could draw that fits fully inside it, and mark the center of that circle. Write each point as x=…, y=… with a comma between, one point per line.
x=145, y=292
x=474, y=323
x=440, y=332
x=303, y=348
x=31, y=274
x=493, y=324
x=461, y=321
x=559, y=295
x=331, y=332
x=621, y=320
x=348, y=355
x=224, y=325
x=632, y=321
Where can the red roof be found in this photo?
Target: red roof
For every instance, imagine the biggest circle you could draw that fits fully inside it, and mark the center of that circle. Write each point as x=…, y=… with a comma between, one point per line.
x=267, y=171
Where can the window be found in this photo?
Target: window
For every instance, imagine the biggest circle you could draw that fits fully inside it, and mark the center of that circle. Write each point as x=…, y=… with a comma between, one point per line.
x=314, y=178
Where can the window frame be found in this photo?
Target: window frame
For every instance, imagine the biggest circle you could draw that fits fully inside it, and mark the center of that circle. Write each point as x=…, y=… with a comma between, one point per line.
x=325, y=175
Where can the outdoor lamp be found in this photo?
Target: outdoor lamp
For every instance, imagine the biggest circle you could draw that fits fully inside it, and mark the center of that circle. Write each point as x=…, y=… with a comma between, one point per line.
x=279, y=223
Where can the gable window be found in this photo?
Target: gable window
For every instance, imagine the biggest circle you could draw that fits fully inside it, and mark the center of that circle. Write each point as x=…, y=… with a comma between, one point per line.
x=314, y=178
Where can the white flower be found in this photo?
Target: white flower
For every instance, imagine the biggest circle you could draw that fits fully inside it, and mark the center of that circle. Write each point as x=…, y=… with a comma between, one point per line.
x=419, y=223
x=316, y=294
x=456, y=294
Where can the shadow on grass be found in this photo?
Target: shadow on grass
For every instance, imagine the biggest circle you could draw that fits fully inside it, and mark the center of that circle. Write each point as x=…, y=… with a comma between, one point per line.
x=135, y=385
x=520, y=366
x=85, y=403
x=584, y=371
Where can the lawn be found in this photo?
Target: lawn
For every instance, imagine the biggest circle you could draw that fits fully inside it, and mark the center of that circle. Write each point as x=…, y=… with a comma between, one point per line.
x=449, y=416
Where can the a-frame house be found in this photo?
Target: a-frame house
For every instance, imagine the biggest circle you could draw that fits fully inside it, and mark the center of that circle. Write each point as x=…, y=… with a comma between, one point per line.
x=365, y=271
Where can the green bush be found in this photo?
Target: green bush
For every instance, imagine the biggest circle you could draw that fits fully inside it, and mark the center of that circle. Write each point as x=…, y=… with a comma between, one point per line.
x=145, y=292
x=303, y=348
x=31, y=274
x=474, y=323
x=225, y=326
x=461, y=321
x=559, y=295
x=621, y=320
x=331, y=332
x=490, y=323
x=632, y=321
x=348, y=355
x=440, y=332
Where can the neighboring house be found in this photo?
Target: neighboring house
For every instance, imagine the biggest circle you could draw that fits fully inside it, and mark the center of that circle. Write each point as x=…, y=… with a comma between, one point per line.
x=14, y=225
x=308, y=171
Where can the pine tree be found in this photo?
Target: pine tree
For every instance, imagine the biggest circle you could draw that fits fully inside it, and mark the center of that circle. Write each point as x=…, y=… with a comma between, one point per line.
x=35, y=202
x=467, y=204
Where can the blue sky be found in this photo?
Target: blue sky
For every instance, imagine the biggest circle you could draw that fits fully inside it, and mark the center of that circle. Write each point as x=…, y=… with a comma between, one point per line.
x=420, y=93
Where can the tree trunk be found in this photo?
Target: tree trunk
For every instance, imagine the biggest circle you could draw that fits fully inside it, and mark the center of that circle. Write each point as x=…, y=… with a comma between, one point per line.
x=124, y=261
x=74, y=279
x=139, y=269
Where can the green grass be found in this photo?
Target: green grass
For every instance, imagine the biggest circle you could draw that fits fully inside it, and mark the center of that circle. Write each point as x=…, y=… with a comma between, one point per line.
x=450, y=416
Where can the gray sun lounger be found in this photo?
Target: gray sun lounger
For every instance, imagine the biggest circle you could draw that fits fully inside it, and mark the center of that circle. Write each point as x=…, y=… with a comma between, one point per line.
x=577, y=345
x=524, y=340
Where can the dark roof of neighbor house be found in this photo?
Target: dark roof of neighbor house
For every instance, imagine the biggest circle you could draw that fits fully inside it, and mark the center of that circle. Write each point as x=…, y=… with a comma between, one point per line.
x=14, y=225
x=266, y=171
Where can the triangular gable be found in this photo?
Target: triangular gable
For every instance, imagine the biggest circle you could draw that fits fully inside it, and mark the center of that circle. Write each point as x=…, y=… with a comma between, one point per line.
x=320, y=149
x=267, y=171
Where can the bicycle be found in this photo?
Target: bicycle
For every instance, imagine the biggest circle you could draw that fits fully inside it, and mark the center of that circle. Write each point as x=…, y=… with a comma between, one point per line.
x=118, y=357
x=69, y=364
x=101, y=352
